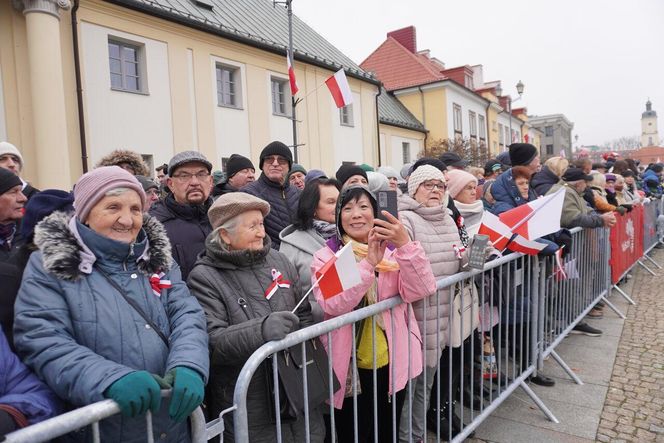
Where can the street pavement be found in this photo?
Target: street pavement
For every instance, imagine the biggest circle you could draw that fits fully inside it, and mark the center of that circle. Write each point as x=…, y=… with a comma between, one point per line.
x=622, y=398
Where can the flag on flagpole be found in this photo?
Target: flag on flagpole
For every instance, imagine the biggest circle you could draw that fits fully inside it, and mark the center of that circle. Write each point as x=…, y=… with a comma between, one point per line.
x=339, y=274
x=503, y=238
x=291, y=74
x=537, y=218
x=340, y=89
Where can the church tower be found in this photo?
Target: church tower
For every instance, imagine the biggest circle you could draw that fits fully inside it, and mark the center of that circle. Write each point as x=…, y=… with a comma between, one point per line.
x=649, y=134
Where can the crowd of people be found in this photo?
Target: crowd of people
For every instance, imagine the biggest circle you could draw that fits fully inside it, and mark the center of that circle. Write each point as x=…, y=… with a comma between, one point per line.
x=126, y=285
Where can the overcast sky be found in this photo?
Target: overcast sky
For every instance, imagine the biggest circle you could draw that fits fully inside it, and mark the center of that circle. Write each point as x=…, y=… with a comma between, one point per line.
x=596, y=61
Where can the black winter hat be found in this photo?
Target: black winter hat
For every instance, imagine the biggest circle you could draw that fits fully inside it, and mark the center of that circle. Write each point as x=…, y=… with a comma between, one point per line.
x=576, y=174
x=43, y=204
x=236, y=163
x=8, y=180
x=521, y=154
x=347, y=171
x=453, y=159
x=436, y=163
x=276, y=148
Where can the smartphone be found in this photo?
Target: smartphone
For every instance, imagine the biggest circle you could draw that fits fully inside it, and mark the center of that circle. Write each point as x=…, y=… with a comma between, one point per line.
x=387, y=201
x=476, y=258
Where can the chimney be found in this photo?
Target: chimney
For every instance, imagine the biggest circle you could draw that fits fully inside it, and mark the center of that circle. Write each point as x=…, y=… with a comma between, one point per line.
x=406, y=36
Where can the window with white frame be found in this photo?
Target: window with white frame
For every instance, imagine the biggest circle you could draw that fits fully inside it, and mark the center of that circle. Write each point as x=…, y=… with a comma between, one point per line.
x=548, y=131
x=281, y=104
x=346, y=115
x=125, y=66
x=549, y=149
x=482, y=126
x=456, y=111
x=472, y=118
x=405, y=152
x=228, y=86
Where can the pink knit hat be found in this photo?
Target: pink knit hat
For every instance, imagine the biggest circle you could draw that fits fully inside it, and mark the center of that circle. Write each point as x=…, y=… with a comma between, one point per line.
x=457, y=180
x=94, y=185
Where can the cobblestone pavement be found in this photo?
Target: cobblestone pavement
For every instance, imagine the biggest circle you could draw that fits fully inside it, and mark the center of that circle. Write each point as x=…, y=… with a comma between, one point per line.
x=634, y=406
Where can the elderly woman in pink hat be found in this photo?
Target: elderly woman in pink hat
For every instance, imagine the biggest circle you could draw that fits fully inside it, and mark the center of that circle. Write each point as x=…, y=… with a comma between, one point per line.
x=103, y=312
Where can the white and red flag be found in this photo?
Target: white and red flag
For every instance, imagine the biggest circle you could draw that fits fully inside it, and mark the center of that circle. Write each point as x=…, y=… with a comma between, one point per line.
x=340, y=89
x=291, y=74
x=537, y=218
x=503, y=238
x=339, y=274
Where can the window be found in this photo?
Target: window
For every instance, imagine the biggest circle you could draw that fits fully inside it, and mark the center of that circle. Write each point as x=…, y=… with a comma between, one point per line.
x=468, y=82
x=549, y=149
x=457, y=118
x=649, y=141
x=346, y=115
x=125, y=66
x=482, y=125
x=228, y=86
x=405, y=152
x=548, y=131
x=501, y=138
x=473, y=124
x=280, y=97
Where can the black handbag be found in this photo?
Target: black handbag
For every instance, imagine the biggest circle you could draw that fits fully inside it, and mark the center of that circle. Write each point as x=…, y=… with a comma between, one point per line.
x=291, y=366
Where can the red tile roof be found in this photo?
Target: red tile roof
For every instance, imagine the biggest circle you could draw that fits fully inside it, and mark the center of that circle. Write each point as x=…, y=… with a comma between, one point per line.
x=398, y=68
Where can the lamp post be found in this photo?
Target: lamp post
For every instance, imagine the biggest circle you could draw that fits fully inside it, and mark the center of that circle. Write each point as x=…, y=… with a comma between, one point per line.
x=519, y=90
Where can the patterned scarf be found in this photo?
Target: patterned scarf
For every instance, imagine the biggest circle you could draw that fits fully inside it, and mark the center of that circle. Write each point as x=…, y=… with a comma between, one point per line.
x=7, y=233
x=325, y=229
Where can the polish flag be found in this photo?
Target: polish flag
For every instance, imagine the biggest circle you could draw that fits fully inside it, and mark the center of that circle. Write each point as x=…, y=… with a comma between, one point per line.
x=291, y=74
x=503, y=238
x=537, y=218
x=339, y=88
x=339, y=274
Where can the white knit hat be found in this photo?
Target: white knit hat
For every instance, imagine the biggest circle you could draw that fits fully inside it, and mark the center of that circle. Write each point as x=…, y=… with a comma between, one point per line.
x=422, y=174
x=8, y=148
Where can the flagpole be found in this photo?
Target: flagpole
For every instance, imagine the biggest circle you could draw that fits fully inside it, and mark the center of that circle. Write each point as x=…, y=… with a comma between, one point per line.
x=289, y=8
x=304, y=297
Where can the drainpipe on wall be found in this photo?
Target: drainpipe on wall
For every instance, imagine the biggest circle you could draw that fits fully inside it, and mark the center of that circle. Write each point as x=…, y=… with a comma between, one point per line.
x=424, y=119
x=79, y=87
x=486, y=124
x=380, y=90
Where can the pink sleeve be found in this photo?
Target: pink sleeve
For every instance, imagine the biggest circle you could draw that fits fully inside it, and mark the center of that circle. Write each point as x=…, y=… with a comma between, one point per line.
x=346, y=301
x=416, y=279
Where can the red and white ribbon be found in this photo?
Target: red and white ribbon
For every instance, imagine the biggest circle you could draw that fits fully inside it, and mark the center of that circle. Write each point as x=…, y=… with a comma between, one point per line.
x=277, y=282
x=157, y=282
x=458, y=251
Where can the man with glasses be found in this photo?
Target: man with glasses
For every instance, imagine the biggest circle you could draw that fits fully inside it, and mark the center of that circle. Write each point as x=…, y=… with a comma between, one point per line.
x=184, y=210
x=272, y=186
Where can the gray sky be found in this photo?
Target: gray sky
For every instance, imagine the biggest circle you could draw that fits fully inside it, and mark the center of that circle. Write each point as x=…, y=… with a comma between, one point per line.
x=595, y=61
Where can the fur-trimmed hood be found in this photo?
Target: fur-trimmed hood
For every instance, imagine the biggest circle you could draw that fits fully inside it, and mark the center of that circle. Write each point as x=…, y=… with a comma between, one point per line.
x=67, y=257
x=125, y=156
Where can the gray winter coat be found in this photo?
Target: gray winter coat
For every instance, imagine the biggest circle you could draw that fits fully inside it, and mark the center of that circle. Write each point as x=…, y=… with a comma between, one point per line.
x=437, y=233
x=231, y=287
x=80, y=336
x=283, y=200
x=300, y=246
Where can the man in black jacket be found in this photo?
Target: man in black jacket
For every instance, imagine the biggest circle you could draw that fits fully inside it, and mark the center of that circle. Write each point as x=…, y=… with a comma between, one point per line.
x=184, y=211
x=12, y=202
x=275, y=161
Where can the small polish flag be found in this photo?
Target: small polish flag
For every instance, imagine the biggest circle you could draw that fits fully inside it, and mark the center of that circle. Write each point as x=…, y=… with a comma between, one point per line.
x=503, y=238
x=537, y=218
x=339, y=88
x=291, y=74
x=339, y=274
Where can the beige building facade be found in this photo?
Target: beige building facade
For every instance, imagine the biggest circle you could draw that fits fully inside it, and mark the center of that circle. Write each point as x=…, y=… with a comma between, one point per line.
x=158, y=87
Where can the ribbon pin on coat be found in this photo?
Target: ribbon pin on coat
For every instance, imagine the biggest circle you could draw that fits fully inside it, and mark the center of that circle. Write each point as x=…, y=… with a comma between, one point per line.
x=278, y=281
x=158, y=283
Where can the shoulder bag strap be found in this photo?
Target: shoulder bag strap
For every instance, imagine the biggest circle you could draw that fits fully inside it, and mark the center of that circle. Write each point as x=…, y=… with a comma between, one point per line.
x=134, y=305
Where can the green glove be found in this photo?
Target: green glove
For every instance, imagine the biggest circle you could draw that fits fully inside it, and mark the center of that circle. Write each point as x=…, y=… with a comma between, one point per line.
x=188, y=391
x=135, y=393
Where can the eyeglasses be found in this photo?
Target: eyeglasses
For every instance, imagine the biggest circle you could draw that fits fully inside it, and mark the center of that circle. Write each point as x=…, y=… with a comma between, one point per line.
x=185, y=177
x=279, y=159
x=429, y=186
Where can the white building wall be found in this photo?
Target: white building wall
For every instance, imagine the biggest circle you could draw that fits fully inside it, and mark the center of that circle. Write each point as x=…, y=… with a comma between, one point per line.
x=347, y=140
x=125, y=120
x=3, y=121
x=467, y=104
x=397, y=150
x=231, y=125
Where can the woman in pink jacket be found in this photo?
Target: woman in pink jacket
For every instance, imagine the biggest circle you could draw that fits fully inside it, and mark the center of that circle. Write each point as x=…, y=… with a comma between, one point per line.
x=391, y=265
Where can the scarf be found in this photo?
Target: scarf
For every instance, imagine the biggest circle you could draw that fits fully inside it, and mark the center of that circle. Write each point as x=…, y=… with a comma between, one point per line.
x=7, y=233
x=325, y=229
x=472, y=215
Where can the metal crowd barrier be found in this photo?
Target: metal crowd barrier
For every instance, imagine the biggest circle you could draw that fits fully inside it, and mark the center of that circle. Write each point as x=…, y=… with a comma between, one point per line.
x=91, y=415
x=508, y=285
x=653, y=231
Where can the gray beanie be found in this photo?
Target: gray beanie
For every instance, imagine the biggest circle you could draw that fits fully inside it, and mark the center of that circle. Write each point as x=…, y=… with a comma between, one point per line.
x=182, y=158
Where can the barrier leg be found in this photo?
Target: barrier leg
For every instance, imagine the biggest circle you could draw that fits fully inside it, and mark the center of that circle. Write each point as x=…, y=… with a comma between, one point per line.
x=624, y=294
x=650, y=271
x=613, y=307
x=651, y=260
x=540, y=404
x=566, y=368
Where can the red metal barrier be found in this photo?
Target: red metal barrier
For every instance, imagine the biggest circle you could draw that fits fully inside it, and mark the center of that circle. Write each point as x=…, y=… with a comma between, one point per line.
x=626, y=242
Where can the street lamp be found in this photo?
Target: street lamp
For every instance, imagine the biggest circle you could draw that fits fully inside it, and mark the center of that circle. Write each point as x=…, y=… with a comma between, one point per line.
x=519, y=90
